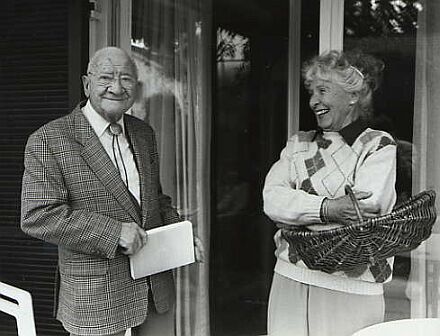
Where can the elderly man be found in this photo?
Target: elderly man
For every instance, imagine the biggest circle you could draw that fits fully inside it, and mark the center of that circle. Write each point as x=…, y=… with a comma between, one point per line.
x=91, y=186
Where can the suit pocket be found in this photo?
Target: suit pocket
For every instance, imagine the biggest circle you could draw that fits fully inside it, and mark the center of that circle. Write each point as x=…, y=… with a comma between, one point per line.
x=83, y=265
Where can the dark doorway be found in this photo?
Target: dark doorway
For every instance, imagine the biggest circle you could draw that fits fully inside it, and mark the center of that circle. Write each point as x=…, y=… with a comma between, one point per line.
x=249, y=130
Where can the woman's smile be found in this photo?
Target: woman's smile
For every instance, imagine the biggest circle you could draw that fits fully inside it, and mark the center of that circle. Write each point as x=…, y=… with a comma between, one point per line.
x=321, y=112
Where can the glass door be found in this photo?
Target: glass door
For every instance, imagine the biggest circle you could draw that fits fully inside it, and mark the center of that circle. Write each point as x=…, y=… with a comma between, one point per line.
x=387, y=30
x=250, y=125
x=250, y=120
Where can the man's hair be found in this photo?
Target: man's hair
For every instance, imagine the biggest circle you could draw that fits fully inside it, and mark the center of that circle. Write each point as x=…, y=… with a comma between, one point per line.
x=98, y=56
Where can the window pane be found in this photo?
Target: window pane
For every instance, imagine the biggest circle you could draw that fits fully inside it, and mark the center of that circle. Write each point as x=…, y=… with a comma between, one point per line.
x=388, y=30
x=250, y=128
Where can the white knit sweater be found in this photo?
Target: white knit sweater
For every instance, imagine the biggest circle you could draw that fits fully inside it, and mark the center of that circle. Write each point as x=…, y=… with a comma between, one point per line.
x=314, y=166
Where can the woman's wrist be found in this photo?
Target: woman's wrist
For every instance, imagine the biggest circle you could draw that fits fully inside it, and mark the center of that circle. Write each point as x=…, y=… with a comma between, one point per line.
x=323, y=213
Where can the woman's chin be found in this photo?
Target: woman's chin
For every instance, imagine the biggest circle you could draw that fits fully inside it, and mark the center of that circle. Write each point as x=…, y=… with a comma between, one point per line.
x=325, y=126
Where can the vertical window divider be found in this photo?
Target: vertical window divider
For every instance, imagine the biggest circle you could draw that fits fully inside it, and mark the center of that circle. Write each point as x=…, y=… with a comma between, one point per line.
x=331, y=25
x=125, y=25
x=294, y=63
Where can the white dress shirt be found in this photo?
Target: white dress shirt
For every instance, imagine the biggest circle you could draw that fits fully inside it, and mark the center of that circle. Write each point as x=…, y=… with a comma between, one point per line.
x=100, y=126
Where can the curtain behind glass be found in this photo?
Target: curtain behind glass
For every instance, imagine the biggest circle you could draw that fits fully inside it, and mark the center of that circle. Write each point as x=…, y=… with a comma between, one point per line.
x=425, y=271
x=170, y=43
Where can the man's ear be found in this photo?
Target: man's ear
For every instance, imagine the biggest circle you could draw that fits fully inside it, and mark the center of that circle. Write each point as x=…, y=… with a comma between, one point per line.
x=86, y=85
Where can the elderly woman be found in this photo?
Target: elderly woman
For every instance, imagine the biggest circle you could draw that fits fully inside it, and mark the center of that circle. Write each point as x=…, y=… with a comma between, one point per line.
x=305, y=188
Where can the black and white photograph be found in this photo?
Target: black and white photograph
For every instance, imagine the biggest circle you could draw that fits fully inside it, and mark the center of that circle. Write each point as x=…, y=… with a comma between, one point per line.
x=219, y=168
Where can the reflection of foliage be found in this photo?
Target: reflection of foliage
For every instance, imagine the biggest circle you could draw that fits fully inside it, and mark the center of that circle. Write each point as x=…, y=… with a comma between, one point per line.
x=234, y=47
x=231, y=45
x=380, y=17
x=225, y=44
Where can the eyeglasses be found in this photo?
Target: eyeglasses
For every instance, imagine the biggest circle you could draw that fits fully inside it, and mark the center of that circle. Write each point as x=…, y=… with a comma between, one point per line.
x=108, y=80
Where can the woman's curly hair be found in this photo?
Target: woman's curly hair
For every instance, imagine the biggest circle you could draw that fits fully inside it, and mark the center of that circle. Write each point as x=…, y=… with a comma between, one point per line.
x=353, y=70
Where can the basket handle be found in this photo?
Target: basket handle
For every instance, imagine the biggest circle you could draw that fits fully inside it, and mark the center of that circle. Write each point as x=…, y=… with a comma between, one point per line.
x=349, y=192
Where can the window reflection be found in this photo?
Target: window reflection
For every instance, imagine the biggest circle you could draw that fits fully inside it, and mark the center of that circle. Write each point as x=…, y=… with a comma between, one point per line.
x=388, y=30
x=249, y=127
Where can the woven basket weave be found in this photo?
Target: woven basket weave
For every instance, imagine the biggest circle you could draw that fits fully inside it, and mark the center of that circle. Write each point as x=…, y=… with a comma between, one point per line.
x=368, y=241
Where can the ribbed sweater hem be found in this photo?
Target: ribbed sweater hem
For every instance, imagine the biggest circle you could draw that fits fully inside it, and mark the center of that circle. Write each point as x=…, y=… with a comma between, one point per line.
x=328, y=281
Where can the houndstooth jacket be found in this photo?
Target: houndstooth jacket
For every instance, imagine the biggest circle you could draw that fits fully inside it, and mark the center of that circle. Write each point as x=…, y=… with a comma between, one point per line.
x=73, y=196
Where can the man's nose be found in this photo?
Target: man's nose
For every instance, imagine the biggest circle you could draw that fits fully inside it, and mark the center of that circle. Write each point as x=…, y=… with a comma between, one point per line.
x=116, y=86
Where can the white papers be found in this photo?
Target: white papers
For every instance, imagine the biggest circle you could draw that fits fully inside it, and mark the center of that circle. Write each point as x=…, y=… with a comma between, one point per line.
x=167, y=247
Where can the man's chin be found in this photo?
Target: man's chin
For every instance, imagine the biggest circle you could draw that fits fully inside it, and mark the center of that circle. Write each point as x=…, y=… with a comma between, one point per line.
x=115, y=108
x=113, y=115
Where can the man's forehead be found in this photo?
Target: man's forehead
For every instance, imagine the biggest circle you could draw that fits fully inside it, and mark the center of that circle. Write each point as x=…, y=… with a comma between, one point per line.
x=107, y=64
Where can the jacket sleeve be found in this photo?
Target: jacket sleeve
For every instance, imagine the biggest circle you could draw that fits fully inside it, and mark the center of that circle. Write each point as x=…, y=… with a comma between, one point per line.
x=45, y=210
x=283, y=201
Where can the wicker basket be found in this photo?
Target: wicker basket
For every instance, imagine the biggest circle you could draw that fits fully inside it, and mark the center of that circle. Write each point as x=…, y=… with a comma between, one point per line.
x=368, y=241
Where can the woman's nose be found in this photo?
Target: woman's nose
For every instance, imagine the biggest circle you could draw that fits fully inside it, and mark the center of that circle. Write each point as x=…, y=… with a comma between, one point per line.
x=313, y=100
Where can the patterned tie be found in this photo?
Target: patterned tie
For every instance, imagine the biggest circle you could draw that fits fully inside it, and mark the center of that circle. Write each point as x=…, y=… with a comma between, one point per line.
x=116, y=130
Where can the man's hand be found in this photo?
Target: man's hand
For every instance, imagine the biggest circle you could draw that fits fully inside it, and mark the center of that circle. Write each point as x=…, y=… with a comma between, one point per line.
x=341, y=210
x=132, y=238
x=199, y=250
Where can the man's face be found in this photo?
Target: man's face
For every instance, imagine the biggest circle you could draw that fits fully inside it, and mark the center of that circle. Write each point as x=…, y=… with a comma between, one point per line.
x=111, y=85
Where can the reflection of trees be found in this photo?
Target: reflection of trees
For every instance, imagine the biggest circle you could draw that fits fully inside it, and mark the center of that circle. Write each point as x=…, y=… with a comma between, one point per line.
x=234, y=47
x=380, y=17
x=231, y=46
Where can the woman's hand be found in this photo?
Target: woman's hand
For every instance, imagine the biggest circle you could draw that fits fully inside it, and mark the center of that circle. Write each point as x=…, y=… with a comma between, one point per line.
x=341, y=209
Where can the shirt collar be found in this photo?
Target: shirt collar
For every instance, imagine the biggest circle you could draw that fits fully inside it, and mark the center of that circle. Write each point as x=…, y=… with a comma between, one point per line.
x=98, y=123
x=352, y=131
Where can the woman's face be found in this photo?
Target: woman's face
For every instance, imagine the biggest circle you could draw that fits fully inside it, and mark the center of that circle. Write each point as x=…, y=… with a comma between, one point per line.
x=332, y=105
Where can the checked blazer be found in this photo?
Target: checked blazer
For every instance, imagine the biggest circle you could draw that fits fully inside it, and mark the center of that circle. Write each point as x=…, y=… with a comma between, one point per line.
x=73, y=196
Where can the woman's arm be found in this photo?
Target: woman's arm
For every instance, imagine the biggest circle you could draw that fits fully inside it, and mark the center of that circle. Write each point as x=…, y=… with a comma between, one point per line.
x=374, y=186
x=282, y=201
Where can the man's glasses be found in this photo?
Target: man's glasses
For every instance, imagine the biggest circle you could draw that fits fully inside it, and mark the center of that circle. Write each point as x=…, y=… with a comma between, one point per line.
x=107, y=80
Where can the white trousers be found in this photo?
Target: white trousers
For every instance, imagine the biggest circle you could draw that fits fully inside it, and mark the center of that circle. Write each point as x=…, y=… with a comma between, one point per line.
x=297, y=309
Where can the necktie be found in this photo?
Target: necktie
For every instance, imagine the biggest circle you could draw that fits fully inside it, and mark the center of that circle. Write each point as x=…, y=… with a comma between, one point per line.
x=116, y=130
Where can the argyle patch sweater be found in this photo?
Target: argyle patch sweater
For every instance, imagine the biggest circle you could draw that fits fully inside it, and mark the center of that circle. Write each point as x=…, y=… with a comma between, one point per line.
x=313, y=166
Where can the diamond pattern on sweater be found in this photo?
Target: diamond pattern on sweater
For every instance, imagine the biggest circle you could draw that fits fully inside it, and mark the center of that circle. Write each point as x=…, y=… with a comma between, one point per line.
x=381, y=271
x=307, y=186
x=321, y=142
x=314, y=164
x=325, y=171
x=385, y=141
x=334, y=181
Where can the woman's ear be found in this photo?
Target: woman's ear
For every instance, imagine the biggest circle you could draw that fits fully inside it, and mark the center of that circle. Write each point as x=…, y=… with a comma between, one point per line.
x=354, y=98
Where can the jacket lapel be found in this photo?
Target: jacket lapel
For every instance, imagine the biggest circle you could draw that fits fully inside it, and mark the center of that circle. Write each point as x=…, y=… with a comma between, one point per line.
x=142, y=157
x=99, y=162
